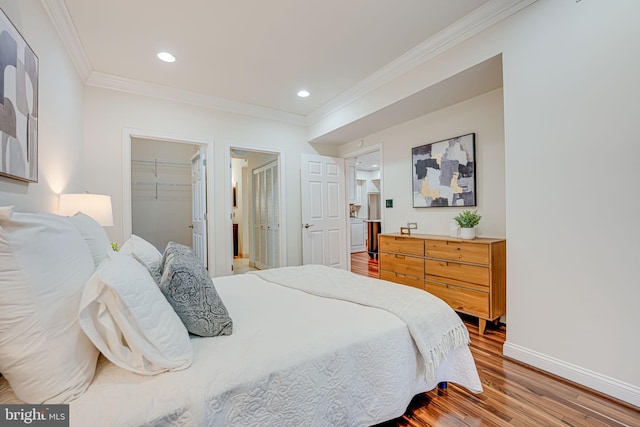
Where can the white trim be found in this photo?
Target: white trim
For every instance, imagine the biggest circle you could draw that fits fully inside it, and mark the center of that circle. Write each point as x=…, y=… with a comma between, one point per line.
x=480, y=19
x=192, y=98
x=280, y=158
x=61, y=20
x=127, y=134
x=610, y=386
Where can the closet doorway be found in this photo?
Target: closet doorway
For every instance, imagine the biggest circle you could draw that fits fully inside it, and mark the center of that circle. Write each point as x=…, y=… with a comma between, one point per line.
x=168, y=193
x=256, y=209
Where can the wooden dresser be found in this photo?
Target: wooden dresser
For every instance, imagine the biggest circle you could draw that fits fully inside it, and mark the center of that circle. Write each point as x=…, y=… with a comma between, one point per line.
x=470, y=275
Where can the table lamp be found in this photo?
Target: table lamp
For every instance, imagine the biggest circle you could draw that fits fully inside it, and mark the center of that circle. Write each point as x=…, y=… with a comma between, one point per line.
x=97, y=206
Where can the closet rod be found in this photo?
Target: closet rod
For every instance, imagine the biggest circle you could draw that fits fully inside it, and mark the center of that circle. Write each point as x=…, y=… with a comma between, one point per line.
x=165, y=184
x=163, y=162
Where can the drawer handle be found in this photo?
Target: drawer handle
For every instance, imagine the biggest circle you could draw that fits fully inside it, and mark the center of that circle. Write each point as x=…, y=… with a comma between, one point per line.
x=400, y=256
x=460, y=307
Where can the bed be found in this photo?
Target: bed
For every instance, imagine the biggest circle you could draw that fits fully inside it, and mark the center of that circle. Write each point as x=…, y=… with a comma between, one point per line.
x=303, y=351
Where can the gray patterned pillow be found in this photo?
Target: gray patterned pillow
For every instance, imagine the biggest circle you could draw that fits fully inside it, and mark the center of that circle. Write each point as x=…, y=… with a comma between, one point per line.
x=155, y=268
x=187, y=286
x=174, y=248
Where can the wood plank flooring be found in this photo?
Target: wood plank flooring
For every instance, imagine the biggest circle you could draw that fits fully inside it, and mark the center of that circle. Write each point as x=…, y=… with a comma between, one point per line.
x=363, y=265
x=514, y=394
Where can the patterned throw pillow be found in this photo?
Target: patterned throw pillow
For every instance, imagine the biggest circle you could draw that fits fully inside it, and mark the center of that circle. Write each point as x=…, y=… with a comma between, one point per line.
x=187, y=286
x=155, y=269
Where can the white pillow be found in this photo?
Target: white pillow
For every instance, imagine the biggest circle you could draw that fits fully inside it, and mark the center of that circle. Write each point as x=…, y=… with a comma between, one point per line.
x=141, y=250
x=44, y=264
x=94, y=235
x=126, y=316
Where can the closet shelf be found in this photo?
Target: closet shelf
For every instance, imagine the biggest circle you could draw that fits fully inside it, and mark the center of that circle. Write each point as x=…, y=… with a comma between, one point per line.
x=157, y=166
x=156, y=186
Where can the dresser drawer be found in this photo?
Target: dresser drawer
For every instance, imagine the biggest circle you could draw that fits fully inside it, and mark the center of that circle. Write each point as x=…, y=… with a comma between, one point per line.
x=416, y=282
x=461, y=299
x=453, y=270
x=404, y=264
x=457, y=251
x=405, y=245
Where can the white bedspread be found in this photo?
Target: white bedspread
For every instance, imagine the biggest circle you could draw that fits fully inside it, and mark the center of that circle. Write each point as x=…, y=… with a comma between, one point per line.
x=435, y=328
x=293, y=359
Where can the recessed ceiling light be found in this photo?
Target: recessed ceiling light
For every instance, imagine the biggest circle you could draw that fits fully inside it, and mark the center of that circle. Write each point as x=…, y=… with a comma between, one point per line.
x=303, y=93
x=374, y=166
x=166, y=57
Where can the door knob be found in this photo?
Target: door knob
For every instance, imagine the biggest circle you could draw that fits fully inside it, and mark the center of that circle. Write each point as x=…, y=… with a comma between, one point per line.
x=191, y=226
x=308, y=225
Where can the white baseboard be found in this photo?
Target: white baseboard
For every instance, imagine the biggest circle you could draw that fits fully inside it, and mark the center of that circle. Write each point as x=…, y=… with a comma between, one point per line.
x=620, y=390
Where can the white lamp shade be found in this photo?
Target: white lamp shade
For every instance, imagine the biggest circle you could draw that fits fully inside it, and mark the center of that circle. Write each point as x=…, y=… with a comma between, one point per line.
x=97, y=206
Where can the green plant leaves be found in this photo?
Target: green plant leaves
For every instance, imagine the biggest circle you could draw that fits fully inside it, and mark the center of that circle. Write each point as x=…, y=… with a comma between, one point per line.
x=468, y=219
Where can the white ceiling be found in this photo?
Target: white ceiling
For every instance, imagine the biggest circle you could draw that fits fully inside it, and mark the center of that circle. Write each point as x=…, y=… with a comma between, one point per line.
x=367, y=162
x=253, y=56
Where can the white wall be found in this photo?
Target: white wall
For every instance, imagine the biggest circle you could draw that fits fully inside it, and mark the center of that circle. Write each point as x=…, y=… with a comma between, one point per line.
x=108, y=112
x=571, y=125
x=482, y=115
x=571, y=142
x=60, y=148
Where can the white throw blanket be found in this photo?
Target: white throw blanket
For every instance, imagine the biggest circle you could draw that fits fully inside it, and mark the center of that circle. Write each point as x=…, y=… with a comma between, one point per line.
x=435, y=328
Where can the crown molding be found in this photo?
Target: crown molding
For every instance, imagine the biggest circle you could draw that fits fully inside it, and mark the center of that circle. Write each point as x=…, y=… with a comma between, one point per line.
x=61, y=20
x=485, y=16
x=480, y=19
x=108, y=81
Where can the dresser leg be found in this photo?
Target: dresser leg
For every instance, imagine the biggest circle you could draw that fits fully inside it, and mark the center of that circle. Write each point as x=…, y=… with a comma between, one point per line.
x=442, y=388
x=482, y=324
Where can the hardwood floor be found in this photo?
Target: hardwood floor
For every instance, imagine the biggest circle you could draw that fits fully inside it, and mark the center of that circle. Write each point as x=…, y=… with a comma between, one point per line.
x=514, y=394
x=362, y=264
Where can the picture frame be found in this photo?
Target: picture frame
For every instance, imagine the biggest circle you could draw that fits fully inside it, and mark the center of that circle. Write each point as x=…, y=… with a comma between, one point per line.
x=18, y=105
x=444, y=173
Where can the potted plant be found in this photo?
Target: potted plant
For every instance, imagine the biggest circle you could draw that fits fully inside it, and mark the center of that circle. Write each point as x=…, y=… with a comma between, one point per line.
x=468, y=220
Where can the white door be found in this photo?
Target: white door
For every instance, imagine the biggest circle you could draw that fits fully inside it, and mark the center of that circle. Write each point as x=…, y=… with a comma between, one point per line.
x=273, y=215
x=324, y=222
x=266, y=216
x=199, y=204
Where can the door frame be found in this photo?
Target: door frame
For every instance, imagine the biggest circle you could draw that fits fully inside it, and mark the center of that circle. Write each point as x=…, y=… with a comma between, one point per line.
x=348, y=156
x=127, y=134
x=229, y=201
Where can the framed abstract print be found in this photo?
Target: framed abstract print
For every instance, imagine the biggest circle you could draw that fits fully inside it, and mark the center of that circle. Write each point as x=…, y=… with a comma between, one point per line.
x=444, y=173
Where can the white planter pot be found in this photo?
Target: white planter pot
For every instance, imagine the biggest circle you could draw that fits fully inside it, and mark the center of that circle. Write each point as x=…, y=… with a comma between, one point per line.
x=468, y=233
x=454, y=228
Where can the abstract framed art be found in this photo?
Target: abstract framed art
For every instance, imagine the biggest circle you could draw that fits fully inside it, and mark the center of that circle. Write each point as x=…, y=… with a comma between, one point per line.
x=444, y=173
x=18, y=105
